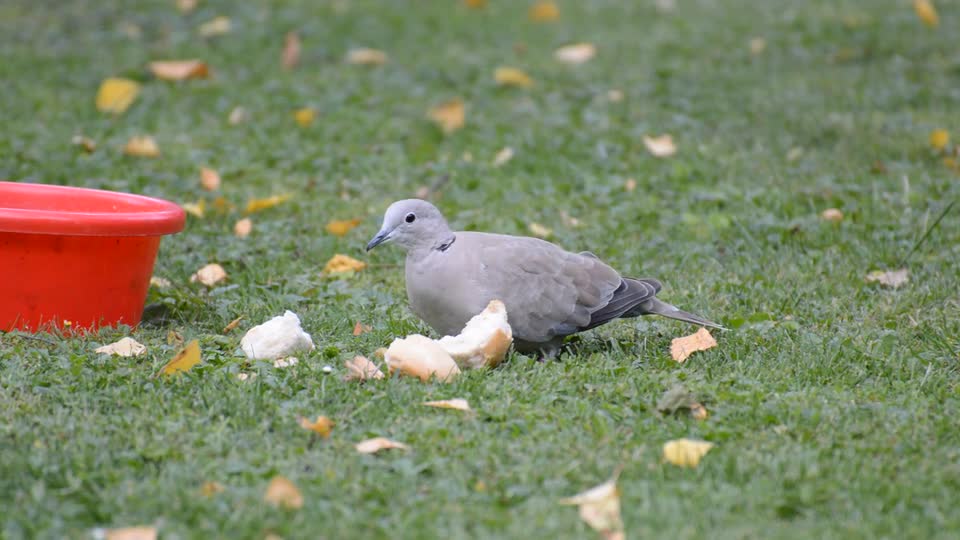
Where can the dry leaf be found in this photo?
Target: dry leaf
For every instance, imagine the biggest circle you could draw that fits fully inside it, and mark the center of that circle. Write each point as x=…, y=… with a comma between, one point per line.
x=939, y=139
x=126, y=533
x=279, y=337
x=630, y=184
x=174, y=338
x=116, y=95
x=342, y=263
x=376, y=444
x=242, y=228
x=366, y=57
x=256, y=205
x=794, y=154
x=577, y=53
x=291, y=50
x=926, y=12
x=124, y=347
x=889, y=278
x=538, y=230
x=361, y=369
x=600, y=509
x=305, y=116
x=698, y=411
x=195, y=209
x=209, y=275
x=757, y=45
x=421, y=357
x=283, y=493
x=188, y=357
x=209, y=179
x=159, y=282
x=832, y=215
x=503, y=156
x=186, y=6
x=615, y=96
x=281, y=363
x=215, y=27
x=179, y=70
x=321, y=425
x=508, y=76
x=475, y=4
x=86, y=143
x=484, y=340
x=459, y=404
x=143, y=146
x=360, y=328
x=544, y=11
x=210, y=488
x=450, y=115
x=237, y=115
x=661, y=146
x=683, y=347
x=342, y=227
x=232, y=325
x=685, y=452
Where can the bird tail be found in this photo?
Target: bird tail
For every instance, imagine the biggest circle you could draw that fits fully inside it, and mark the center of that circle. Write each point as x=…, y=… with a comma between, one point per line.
x=655, y=306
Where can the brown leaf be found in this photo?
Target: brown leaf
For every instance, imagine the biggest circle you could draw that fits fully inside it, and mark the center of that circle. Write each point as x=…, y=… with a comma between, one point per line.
x=475, y=4
x=376, y=444
x=600, y=509
x=209, y=179
x=683, y=347
x=143, y=146
x=459, y=404
x=698, y=411
x=209, y=275
x=232, y=325
x=342, y=227
x=124, y=347
x=211, y=488
x=889, y=278
x=685, y=452
x=291, y=50
x=832, y=215
x=361, y=369
x=127, y=533
x=342, y=263
x=661, y=146
x=509, y=76
x=281, y=492
x=116, y=95
x=450, y=115
x=366, y=57
x=242, y=228
x=544, y=11
x=577, y=53
x=360, y=328
x=179, y=70
x=217, y=26
x=321, y=425
x=188, y=357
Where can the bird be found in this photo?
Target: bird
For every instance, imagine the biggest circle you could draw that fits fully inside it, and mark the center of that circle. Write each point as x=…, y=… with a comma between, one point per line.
x=549, y=293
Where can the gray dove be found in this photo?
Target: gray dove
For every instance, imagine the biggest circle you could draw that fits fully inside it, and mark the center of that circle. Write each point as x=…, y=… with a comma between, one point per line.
x=549, y=293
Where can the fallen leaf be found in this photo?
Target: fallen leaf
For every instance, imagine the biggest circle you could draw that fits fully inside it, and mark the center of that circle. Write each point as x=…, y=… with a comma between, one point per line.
x=281, y=363
x=209, y=179
x=450, y=115
x=305, y=116
x=174, y=338
x=420, y=357
x=832, y=215
x=577, y=53
x=503, y=156
x=889, y=278
x=209, y=275
x=661, y=146
x=179, y=70
x=376, y=444
x=321, y=425
x=677, y=398
x=685, y=452
x=232, y=325
x=665, y=6
x=256, y=205
x=475, y=4
x=630, y=184
x=794, y=154
x=142, y=146
x=926, y=12
x=217, y=26
x=281, y=492
x=116, y=95
x=126, y=533
x=86, y=143
x=210, y=488
x=757, y=45
x=360, y=369
x=291, y=50
x=188, y=357
x=186, y=6
x=459, y=404
x=342, y=227
x=342, y=263
x=508, y=76
x=600, y=509
x=939, y=139
x=366, y=57
x=698, y=411
x=538, y=230
x=544, y=11
x=124, y=347
x=195, y=209
x=615, y=96
x=159, y=282
x=237, y=115
x=279, y=337
x=683, y=347
x=360, y=328
x=242, y=228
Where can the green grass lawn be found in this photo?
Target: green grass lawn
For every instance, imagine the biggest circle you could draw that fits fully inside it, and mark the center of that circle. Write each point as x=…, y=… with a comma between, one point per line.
x=833, y=402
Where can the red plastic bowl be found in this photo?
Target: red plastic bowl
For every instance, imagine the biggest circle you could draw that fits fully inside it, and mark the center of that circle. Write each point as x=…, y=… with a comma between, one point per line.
x=77, y=258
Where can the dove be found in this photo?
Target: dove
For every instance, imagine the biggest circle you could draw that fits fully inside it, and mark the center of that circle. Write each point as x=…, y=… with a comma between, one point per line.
x=549, y=293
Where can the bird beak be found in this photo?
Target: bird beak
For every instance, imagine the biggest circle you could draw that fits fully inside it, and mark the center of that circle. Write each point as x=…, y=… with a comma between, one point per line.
x=380, y=238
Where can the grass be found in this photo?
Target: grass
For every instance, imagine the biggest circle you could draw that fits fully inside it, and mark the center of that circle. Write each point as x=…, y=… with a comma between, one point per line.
x=833, y=402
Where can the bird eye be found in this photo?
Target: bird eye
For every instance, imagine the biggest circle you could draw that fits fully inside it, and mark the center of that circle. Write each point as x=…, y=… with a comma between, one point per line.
x=410, y=218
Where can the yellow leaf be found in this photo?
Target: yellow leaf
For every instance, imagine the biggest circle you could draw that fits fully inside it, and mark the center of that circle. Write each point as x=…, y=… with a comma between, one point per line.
x=600, y=509
x=321, y=425
x=209, y=275
x=209, y=179
x=459, y=404
x=544, y=11
x=376, y=444
x=342, y=227
x=540, y=231
x=503, y=156
x=179, y=70
x=232, y=325
x=215, y=27
x=361, y=369
x=450, y=115
x=509, y=76
x=116, y=95
x=142, y=146
x=127, y=533
x=832, y=215
x=685, y=452
x=682, y=347
x=291, y=50
x=210, y=488
x=926, y=12
x=281, y=492
x=939, y=139
x=124, y=347
x=366, y=57
x=256, y=205
x=577, y=53
x=889, y=278
x=661, y=146
x=196, y=209
x=342, y=263
x=188, y=357
x=305, y=116
x=242, y=228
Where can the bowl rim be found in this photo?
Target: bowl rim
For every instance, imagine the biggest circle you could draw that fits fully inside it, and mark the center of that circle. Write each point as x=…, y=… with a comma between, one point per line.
x=147, y=216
